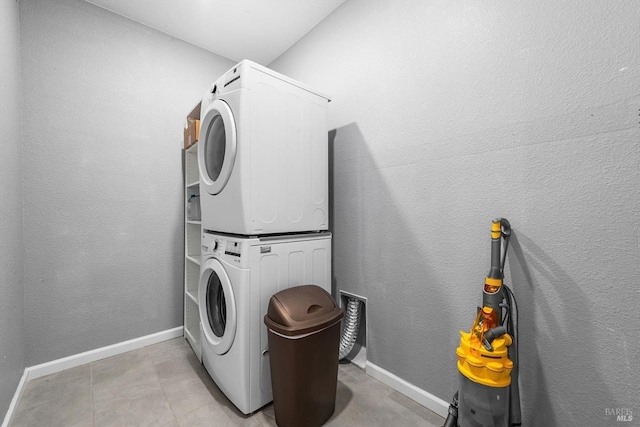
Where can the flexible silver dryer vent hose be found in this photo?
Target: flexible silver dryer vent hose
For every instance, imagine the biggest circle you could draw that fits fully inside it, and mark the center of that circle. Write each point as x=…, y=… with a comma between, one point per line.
x=351, y=326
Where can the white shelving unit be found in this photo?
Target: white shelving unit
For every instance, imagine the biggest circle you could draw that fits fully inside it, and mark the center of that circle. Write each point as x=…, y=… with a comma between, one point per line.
x=192, y=233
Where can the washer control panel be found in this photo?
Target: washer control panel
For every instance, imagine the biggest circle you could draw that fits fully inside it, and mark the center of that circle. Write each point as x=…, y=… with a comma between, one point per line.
x=222, y=247
x=233, y=248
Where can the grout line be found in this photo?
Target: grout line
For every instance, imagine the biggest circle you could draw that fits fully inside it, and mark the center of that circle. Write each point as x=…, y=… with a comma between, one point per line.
x=164, y=392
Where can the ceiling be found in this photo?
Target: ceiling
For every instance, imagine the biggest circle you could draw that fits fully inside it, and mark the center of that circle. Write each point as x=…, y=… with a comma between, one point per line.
x=260, y=30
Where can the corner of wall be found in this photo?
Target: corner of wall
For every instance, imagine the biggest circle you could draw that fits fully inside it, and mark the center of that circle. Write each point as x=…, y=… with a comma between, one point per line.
x=12, y=355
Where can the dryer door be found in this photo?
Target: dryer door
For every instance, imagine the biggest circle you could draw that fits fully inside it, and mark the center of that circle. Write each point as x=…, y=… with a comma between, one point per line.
x=217, y=306
x=217, y=147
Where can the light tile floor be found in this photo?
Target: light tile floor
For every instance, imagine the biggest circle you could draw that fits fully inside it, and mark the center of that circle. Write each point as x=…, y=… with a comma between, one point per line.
x=165, y=385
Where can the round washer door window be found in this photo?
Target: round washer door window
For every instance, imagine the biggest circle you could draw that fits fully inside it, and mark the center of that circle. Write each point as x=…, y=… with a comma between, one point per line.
x=217, y=306
x=217, y=149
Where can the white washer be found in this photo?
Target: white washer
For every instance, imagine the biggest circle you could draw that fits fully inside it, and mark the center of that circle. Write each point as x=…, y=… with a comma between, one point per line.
x=263, y=154
x=238, y=276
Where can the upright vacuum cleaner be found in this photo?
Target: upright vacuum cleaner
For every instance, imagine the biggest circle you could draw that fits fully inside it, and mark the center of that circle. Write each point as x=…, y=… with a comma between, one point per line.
x=488, y=354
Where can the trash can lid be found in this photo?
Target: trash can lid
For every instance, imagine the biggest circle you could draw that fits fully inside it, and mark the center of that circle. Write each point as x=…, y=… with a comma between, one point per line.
x=301, y=310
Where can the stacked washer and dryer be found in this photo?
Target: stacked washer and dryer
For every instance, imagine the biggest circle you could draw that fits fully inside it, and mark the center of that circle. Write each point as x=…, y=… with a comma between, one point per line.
x=263, y=161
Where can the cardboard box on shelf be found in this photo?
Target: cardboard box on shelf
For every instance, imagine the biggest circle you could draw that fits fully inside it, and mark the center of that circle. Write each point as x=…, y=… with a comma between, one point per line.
x=192, y=132
x=192, y=127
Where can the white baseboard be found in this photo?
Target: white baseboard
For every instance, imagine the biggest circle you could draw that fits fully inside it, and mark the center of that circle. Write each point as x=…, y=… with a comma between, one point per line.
x=54, y=366
x=16, y=398
x=424, y=398
x=37, y=371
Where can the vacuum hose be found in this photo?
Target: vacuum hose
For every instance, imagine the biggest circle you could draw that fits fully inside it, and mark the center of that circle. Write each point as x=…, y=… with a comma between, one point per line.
x=351, y=326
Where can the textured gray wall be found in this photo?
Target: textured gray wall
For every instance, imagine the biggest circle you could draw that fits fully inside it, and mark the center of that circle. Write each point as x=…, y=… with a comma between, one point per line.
x=104, y=101
x=12, y=343
x=447, y=114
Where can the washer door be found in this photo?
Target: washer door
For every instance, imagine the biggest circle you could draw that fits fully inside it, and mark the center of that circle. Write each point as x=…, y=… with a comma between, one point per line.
x=217, y=306
x=217, y=147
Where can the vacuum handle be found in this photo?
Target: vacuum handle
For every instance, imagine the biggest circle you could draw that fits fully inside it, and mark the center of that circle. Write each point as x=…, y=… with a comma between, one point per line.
x=505, y=228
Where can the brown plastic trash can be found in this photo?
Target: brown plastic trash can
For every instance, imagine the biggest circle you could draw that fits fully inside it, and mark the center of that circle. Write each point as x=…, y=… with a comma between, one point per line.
x=304, y=336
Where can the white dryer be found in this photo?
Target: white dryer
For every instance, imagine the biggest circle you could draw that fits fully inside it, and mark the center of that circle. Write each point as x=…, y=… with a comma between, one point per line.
x=238, y=276
x=263, y=154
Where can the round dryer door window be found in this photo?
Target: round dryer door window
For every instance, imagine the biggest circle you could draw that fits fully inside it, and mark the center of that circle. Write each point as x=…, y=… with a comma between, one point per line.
x=217, y=306
x=217, y=149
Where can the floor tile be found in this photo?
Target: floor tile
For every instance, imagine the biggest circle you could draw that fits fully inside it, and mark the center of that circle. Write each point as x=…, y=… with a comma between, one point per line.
x=52, y=386
x=168, y=350
x=349, y=418
x=117, y=392
x=416, y=408
x=358, y=412
x=364, y=385
x=344, y=395
x=148, y=410
x=230, y=410
x=86, y=423
x=391, y=413
x=342, y=372
x=259, y=419
x=117, y=366
x=186, y=384
x=233, y=413
x=268, y=413
x=165, y=385
x=180, y=369
x=252, y=422
x=263, y=417
x=64, y=411
x=210, y=415
x=186, y=396
x=351, y=369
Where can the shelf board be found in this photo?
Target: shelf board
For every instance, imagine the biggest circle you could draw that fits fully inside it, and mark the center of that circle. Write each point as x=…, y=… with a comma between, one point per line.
x=194, y=222
x=194, y=259
x=193, y=184
x=192, y=297
x=193, y=148
x=191, y=338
